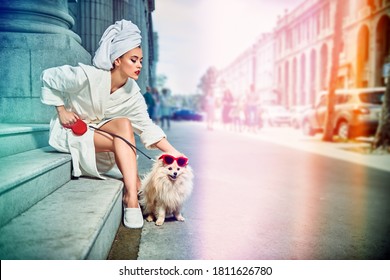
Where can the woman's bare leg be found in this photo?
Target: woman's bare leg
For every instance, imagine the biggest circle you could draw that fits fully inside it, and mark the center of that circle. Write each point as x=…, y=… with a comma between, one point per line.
x=125, y=156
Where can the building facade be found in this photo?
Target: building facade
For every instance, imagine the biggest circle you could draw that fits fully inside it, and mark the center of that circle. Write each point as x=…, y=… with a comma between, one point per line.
x=238, y=75
x=304, y=41
x=36, y=34
x=291, y=65
x=252, y=69
x=264, y=57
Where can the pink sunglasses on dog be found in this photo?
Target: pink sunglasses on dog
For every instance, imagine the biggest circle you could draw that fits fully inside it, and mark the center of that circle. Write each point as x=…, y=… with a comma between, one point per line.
x=168, y=159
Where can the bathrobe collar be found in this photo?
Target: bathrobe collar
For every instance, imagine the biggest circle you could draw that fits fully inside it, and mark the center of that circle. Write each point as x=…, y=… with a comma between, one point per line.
x=100, y=85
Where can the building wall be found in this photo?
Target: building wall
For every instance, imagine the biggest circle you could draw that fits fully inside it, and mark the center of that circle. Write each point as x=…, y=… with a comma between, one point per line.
x=36, y=35
x=92, y=17
x=264, y=68
x=238, y=76
x=303, y=42
x=300, y=50
x=254, y=67
x=304, y=47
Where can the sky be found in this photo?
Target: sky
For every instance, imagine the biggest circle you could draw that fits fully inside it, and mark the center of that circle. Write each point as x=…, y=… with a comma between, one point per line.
x=196, y=34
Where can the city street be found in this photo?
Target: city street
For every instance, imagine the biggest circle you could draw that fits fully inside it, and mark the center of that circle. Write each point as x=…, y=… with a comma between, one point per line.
x=255, y=199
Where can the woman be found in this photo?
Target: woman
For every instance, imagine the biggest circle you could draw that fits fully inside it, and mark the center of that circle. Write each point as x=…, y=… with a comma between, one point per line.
x=227, y=105
x=165, y=109
x=105, y=96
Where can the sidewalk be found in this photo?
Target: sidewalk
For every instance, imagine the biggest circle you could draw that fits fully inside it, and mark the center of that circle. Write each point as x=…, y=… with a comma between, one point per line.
x=354, y=151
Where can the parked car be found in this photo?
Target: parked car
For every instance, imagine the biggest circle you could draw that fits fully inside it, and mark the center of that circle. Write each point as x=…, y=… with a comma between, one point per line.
x=276, y=115
x=297, y=114
x=186, y=114
x=357, y=113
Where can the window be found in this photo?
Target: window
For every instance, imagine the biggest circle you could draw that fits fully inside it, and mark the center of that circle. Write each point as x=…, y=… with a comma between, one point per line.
x=326, y=16
x=372, y=97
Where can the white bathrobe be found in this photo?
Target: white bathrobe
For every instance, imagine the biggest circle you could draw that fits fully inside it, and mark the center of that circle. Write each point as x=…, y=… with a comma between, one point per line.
x=85, y=90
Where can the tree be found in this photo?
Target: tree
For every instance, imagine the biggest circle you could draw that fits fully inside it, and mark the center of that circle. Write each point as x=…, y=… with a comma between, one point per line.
x=207, y=84
x=337, y=45
x=382, y=136
x=208, y=80
x=161, y=80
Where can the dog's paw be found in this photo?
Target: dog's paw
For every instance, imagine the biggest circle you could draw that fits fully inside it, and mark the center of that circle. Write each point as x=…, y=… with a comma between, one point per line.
x=159, y=222
x=180, y=218
x=149, y=218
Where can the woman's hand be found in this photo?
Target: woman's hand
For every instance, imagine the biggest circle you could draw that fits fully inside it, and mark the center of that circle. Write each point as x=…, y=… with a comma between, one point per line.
x=177, y=154
x=174, y=152
x=164, y=146
x=66, y=118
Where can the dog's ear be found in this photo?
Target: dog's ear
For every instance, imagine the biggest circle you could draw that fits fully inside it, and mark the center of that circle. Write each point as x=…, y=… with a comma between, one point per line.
x=158, y=158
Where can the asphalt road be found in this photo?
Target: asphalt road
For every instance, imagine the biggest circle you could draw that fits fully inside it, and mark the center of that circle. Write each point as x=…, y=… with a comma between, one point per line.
x=254, y=199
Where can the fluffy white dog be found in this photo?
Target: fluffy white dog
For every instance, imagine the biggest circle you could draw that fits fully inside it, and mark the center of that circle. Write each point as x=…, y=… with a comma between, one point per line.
x=165, y=188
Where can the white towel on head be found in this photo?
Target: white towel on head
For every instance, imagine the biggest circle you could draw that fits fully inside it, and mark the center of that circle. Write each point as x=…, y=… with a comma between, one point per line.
x=118, y=39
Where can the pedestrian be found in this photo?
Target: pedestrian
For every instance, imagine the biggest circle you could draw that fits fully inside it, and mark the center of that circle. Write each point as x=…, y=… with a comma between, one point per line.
x=251, y=109
x=259, y=120
x=149, y=102
x=227, y=105
x=106, y=96
x=237, y=114
x=165, y=109
x=157, y=106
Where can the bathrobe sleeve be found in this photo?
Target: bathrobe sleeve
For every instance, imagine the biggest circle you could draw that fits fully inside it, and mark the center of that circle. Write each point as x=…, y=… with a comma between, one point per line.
x=148, y=131
x=59, y=81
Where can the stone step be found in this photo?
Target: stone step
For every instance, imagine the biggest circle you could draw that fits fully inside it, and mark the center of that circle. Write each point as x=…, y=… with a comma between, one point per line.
x=28, y=177
x=18, y=138
x=77, y=221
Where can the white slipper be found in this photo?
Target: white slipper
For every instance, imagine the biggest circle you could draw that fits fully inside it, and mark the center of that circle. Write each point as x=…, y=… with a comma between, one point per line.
x=132, y=218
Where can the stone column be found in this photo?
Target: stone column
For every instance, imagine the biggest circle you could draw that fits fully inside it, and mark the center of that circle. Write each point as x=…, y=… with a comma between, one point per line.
x=34, y=35
x=95, y=17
